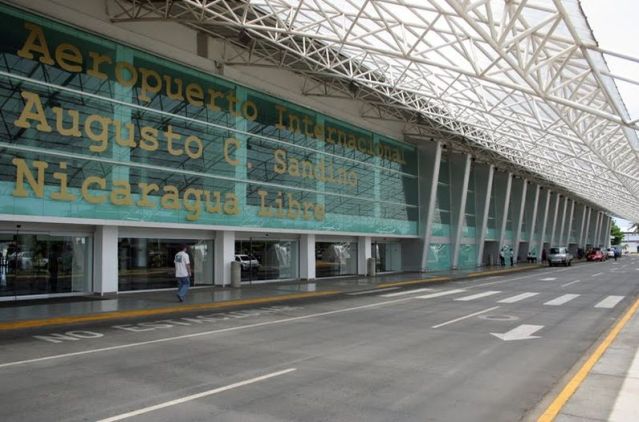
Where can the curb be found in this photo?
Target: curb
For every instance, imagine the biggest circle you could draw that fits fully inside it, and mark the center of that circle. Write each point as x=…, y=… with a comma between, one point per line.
x=104, y=316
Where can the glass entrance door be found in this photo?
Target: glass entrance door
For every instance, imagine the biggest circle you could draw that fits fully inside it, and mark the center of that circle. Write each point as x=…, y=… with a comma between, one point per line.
x=388, y=256
x=33, y=264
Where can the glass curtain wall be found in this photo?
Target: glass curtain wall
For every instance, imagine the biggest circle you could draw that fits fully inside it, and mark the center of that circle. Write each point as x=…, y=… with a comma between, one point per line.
x=267, y=259
x=335, y=259
x=148, y=263
x=388, y=256
x=32, y=264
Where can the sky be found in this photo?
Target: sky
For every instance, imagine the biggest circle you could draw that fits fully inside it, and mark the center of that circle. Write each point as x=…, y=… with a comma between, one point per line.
x=615, y=24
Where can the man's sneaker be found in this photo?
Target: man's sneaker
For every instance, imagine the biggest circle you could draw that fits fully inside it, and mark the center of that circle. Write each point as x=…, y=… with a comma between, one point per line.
x=180, y=298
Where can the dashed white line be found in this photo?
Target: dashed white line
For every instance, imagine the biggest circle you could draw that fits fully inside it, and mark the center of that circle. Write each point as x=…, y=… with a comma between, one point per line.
x=478, y=295
x=596, y=274
x=572, y=282
x=407, y=292
x=196, y=396
x=548, y=279
x=439, y=294
x=609, y=302
x=465, y=317
x=518, y=297
x=561, y=300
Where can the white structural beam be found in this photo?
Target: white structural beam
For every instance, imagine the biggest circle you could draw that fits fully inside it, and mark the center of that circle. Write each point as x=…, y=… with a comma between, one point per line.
x=462, y=212
x=520, y=218
x=554, y=220
x=431, y=205
x=542, y=237
x=533, y=225
x=506, y=211
x=570, y=223
x=485, y=211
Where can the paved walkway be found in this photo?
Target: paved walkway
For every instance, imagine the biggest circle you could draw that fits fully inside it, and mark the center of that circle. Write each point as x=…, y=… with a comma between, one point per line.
x=608, y=389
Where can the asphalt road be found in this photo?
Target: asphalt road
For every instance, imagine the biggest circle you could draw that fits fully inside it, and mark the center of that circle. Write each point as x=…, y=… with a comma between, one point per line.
x=483, y=350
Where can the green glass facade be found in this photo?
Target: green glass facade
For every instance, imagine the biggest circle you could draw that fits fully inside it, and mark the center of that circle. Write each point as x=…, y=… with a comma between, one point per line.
x=96, y=129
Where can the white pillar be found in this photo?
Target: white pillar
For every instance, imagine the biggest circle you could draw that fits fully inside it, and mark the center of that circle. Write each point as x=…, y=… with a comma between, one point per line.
x=542, y=237
x=431, y=205
x=533, y=225
x=595, y=241
x=462, y=212
x=587, y=232
x=554, y=221
x=105, y=260
x=563, y=222
x=484, y=220
x=581, y=243
x=224, y=255
x=608, y=243
x=307, y=257
x=363, y=253
x=522, y=207
x=571, y=216
x=504, y=216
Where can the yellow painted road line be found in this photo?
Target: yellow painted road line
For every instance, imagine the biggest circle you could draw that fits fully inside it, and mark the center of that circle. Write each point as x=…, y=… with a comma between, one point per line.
x=560, y=401
x=36, y=323
x=410, y=282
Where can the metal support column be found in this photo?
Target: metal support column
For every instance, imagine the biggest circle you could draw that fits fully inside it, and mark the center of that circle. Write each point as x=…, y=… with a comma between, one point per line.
x=462, y=212
x=572, y=214
x=533, y=225
x=502, y=232
x=542, y=237
x=563, y=222
x=595, y=241
x=431, y=205
x=522, y=207
x=554, y=221
x=484, y=221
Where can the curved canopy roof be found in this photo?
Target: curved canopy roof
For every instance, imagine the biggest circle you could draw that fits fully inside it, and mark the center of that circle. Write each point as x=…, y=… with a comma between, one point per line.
x=523, y=79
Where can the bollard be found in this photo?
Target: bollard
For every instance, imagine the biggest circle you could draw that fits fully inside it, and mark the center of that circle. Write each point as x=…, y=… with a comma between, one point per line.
x=236, y=274
x=371, y=264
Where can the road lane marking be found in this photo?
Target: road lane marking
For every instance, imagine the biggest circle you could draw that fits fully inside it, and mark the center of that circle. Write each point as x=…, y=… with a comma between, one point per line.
x=572, y=282
x=609, y=302
x=548, y=279
x=197, y=396
x=465, y=317
x=439, y=294
x=562, y=398
x=596, y=274
x=407, y=292
x=203, y=333
x=561, y=300
x=518, y=297
x=478, y=295
x=367, y=292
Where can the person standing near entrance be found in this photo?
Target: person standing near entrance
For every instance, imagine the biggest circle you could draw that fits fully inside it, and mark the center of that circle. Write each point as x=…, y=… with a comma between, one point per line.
x=182, y=272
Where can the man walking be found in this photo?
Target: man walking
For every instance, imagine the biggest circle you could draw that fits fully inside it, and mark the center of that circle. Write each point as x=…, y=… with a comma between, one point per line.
x=182, y=272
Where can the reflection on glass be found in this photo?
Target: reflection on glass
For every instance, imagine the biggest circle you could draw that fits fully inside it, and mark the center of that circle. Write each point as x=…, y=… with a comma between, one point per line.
x=335, y=259
x=42, y=264
x=388, y=256
x=148, y=263
x=267, y=259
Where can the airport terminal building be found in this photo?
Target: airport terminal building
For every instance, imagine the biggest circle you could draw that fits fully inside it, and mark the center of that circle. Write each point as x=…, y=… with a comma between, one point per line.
x=127, y=135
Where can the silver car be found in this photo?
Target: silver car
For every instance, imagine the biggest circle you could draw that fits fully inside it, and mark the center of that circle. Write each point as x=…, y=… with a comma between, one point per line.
x=559, y=256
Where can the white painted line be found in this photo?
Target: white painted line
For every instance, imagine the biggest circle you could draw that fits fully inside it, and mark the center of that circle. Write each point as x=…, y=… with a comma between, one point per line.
x=596, y=274
x=548, y=279
x=465, y=317
x=518, y=297
x=478, y=295
x=561, y=300
x=572, y=282
x=609, y=302
x=204, y=333
x=439, y=294
x=196, y=396
x=407, y=292
x=368, y=292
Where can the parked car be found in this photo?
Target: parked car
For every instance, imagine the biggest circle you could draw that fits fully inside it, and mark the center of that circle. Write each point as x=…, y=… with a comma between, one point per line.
x=559, y=256
x=247, y=262
x=611, y=253
x=595, y=255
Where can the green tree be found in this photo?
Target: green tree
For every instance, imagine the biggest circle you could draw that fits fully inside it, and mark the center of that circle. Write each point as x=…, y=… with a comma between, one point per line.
x=616, y=233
